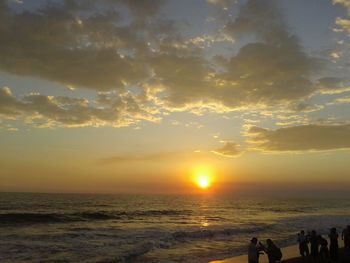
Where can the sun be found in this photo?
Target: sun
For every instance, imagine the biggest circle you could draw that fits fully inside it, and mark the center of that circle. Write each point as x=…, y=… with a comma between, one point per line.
x=202, y=177
x=203, y=181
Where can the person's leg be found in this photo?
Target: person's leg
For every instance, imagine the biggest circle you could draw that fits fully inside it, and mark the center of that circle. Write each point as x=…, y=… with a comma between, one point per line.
x=331, y=251
x=307, y=251
x=301, y=250
x=336, y=252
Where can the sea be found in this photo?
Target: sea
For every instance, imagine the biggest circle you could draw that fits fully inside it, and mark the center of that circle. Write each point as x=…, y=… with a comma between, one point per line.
x=154, y=228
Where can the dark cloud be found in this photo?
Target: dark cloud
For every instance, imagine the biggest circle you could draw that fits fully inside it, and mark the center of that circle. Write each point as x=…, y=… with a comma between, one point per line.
x=310, y=137
x=74, y=44
x=183, y=78
x=270, y=70
x=123, y=44
x=273, y=69
x=230, y=149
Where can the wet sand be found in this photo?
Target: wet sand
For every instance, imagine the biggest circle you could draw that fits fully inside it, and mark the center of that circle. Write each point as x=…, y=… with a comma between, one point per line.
x=290, y=255
x=344, y=257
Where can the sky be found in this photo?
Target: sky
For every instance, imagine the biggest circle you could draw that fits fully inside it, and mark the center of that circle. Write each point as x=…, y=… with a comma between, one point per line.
x=129, y=96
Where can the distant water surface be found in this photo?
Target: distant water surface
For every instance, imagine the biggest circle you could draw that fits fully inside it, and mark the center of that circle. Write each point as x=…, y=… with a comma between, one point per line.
x=141, y=228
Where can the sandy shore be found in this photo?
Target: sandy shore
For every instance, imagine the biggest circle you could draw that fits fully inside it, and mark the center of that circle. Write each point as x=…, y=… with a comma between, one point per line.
x=290, y=255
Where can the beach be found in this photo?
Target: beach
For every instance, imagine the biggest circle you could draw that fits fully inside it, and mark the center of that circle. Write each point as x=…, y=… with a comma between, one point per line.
x=290, y=255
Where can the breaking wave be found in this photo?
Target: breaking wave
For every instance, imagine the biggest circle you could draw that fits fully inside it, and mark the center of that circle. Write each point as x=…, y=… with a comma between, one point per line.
x=39, y=218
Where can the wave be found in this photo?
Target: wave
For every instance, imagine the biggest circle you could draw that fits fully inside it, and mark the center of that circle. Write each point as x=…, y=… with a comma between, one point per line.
x=132, y=255
x=36, y=218
x=206, y=233
x=291, y=210
x=175, y=238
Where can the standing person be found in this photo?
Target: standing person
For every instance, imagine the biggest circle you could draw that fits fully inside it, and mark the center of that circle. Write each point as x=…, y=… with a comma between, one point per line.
x=303, y=244
x=346, y=237
x=333, y=247
x=273, y=252
x=324, y=252
x=253, y=251
x=314, y=244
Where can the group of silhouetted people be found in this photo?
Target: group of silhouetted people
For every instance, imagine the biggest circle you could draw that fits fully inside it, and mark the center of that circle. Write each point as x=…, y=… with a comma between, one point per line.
x=319, y=249
x=273, y=252
x=313, y=247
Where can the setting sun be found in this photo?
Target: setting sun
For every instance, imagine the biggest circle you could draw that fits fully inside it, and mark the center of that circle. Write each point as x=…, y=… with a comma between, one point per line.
x=203, y=182
x=203, y=177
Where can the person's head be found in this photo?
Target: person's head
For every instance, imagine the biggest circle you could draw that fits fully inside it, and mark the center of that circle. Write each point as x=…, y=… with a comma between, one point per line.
x=254, y=240
x=269, y=242
x=333, y=230
x=302, y=232
x=313, y=232
x=348, y=227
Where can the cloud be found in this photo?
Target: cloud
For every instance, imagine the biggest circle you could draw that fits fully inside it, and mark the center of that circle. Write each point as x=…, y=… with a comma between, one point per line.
x=49, y=111
x=230, y=149
x=126, y=47
x=343, y=23
x=103, y=52
x=155, y=157
x=305, y=107
x=73, y=44
x=271, y=70
x=144, y=8
x=332, y=86
x=345, y=3
x=136, y=158
x=222, y=3
x=343, y=100
x=311, y=137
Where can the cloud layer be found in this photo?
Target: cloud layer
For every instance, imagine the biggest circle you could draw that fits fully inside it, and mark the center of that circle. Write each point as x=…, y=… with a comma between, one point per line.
x=72, y=44
x=48, y=111
x=301, y=138
x=229, y=149
x=151, y=65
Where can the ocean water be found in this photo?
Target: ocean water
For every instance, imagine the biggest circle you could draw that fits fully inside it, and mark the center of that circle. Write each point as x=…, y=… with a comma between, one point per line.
x=141, y=228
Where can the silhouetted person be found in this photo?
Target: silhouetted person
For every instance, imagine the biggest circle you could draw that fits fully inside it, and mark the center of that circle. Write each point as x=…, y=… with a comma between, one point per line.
x=303, y=244
x=253, y=251
x=346, y=237
x=333, y=247
x=273, y=252
x=314, y=242
x=324, y=252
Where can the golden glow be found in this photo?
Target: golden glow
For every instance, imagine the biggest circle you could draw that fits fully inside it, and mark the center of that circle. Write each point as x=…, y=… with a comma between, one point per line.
x=203, y=182
x=203, y=178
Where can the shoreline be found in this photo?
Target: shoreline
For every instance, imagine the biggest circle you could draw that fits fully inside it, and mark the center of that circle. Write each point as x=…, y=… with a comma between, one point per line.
x=289, y=252
x=290, y=255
